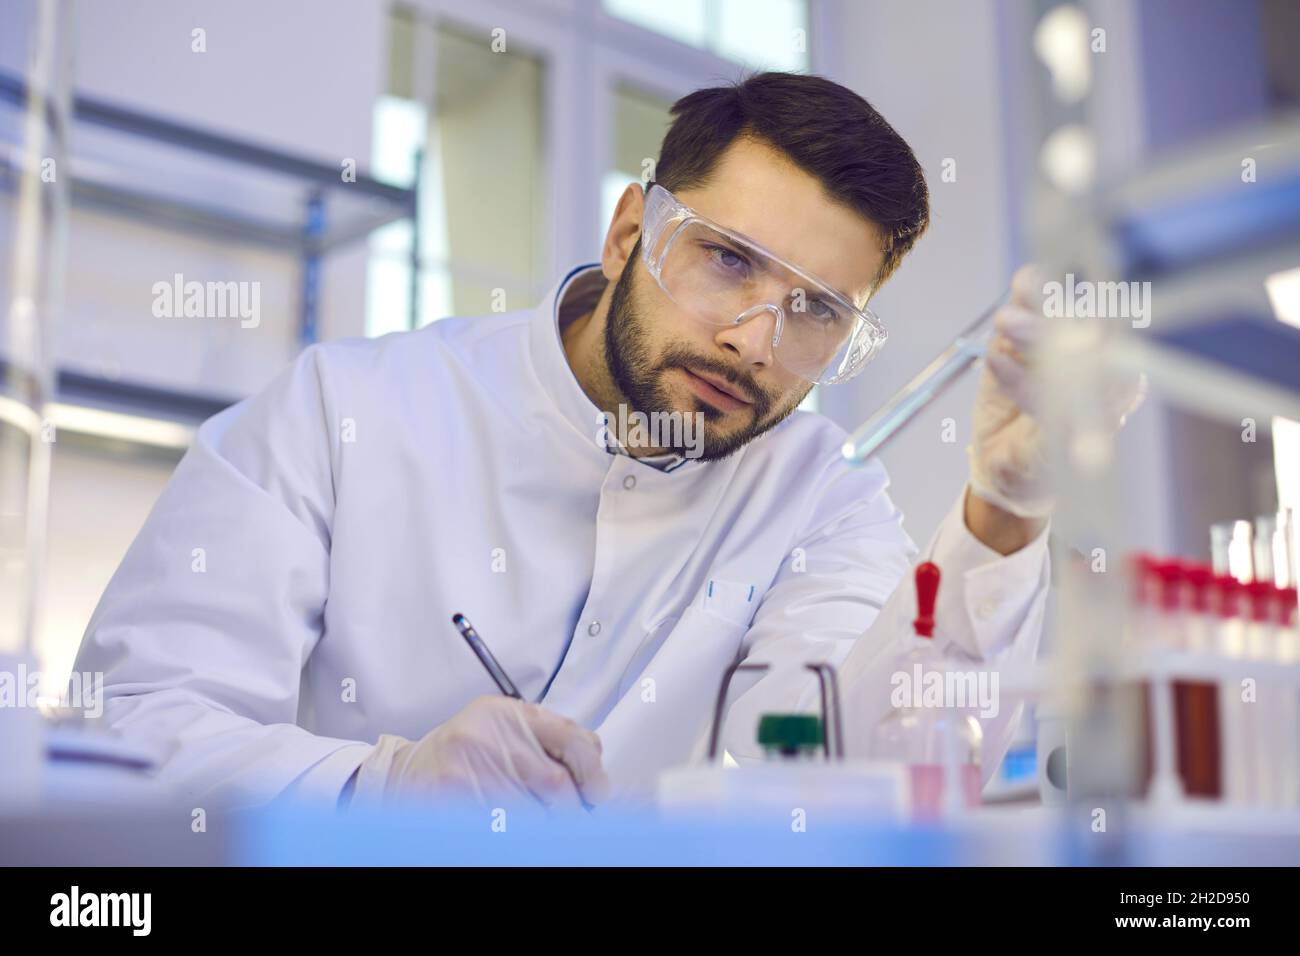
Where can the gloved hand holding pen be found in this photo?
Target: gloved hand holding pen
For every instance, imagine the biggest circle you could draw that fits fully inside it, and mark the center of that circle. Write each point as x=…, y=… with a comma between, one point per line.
x=495, y=750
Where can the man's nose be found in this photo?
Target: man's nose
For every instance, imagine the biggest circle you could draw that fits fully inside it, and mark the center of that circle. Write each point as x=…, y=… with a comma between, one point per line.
x=750, y=338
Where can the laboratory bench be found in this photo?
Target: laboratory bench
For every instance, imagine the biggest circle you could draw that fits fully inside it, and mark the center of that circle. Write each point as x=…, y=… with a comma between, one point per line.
x=104, y=816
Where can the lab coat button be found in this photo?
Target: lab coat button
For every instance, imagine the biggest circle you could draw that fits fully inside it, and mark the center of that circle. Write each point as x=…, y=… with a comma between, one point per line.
x=629, y=482
x=987, y=607
x=593, y=628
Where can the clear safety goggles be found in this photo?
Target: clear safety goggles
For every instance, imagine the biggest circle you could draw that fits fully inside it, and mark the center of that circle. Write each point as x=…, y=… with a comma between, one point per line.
x=722, y=278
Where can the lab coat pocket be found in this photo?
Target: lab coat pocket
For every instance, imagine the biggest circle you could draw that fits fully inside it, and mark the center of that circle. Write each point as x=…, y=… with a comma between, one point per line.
x=721, y=612
x=655, y=725
x=732, y=601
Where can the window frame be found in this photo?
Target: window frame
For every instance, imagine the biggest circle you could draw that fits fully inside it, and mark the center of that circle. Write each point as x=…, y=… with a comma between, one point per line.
x=587, y=54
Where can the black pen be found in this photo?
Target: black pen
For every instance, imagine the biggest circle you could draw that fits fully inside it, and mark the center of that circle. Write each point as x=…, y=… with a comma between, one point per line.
x=495, y=670
x=503, y=681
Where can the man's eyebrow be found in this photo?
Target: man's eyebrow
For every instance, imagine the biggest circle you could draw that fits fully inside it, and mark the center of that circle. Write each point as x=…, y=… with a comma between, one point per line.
x=850, y=299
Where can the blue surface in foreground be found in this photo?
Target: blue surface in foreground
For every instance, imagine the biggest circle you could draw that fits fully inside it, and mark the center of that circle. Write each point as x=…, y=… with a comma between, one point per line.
x=311, y=836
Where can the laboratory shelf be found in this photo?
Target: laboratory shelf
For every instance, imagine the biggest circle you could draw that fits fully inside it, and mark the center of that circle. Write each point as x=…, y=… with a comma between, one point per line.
x=183, y=177
x=1043, y=678
x=1178, y=664
x=94, y=391
x=1200, y=206
x=1207, y=241
x=1185, y=372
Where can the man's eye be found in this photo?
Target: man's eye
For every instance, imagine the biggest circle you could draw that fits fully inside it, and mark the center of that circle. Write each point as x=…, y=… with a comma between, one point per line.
x=820, y=309
x=727, y=258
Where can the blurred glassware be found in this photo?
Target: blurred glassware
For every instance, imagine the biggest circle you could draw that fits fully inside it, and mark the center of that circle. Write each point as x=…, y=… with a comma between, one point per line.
x=33, y=213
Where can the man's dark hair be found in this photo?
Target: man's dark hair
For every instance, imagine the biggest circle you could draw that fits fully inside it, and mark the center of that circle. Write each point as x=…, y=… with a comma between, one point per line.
x=826, y=129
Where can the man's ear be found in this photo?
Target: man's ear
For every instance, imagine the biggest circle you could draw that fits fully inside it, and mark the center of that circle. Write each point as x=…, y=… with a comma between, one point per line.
x=624, y=230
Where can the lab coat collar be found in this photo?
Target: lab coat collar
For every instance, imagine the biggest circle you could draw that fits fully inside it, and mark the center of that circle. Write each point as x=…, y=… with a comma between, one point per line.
x=551, y=363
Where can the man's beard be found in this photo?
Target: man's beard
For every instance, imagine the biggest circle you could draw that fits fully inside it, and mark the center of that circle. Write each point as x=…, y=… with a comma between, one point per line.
x=640, y=380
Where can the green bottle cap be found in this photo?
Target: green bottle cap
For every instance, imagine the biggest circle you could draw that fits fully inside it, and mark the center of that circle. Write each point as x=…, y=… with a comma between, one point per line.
x=789, y=733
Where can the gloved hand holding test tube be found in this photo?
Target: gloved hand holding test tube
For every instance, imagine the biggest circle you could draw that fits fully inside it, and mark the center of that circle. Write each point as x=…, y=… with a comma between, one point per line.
x=1008, y=466
x=936, y=378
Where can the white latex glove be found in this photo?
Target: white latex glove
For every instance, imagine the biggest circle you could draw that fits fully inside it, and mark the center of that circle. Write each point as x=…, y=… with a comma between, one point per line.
x=1008, y=466
x=496, y=750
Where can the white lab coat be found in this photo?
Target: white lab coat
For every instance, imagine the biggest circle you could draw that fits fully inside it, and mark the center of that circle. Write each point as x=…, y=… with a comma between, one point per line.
x=290, y=596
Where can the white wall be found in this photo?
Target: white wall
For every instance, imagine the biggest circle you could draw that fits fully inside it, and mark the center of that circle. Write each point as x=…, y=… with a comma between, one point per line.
x=931, y=68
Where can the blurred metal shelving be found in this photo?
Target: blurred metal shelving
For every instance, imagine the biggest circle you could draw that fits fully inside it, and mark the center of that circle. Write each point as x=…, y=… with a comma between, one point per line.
x=280, y=201
x=1206, y=228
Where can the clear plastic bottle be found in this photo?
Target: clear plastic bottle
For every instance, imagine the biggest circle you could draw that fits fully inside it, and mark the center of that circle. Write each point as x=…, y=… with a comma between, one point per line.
x=939, y=746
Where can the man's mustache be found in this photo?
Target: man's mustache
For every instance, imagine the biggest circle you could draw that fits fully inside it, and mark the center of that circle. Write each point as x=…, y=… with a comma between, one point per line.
x=745, y=382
